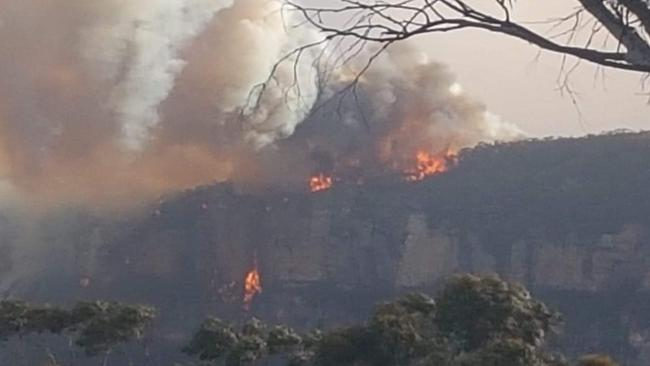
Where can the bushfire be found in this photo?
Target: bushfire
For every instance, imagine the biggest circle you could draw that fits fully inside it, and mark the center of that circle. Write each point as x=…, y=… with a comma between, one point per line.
x=320, y=182
x=428, y=164
x=416, y=168
x=252, y=286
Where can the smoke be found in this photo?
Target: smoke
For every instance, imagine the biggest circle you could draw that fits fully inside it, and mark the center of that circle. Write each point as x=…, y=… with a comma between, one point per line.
x=236, y=54
x=108, y=103
x=138, y=49
x=416, y=104
x=404, y=104
x=111, y=101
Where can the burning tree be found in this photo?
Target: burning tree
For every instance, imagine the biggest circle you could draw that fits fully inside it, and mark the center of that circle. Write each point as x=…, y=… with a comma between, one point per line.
x=252, y=285
x=428, y=164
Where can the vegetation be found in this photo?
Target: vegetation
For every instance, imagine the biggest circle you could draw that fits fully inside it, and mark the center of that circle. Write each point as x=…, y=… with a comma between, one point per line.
x=510, y=191
x=96, y=327
x=472, y=322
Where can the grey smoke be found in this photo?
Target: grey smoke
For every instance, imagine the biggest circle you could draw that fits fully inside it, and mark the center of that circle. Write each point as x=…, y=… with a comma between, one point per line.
x=139, y=49
x=111, y=102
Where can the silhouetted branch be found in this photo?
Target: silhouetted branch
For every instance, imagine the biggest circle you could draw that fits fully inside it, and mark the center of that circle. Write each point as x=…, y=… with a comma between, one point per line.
x=389, y=22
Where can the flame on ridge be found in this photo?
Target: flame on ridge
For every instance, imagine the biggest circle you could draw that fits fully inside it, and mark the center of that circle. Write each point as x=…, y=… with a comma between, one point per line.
x=428, y=164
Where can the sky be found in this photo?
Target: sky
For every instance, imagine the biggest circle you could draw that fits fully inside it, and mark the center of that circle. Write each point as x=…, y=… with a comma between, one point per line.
x=508, y=77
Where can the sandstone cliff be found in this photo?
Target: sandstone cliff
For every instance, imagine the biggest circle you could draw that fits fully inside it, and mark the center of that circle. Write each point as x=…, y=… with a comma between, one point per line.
x=568, y=218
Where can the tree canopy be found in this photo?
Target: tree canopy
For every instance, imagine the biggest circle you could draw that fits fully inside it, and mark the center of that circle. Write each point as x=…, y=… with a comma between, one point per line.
x=95, y=326
x=473, y=321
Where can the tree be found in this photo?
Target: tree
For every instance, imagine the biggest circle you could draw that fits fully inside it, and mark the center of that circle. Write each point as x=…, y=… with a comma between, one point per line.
x=97, y=326
x=217, y=340
x=617, y=31
x=473, y=311
x=473, y=321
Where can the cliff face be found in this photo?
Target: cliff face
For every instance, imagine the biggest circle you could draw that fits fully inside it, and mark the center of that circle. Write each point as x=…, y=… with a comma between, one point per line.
x=431, y=254
x=338, y=237
x=568, y=218
x=326, y=258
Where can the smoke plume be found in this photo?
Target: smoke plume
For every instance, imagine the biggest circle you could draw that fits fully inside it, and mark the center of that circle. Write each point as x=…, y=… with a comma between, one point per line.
x=111, y=102
x=137, y=48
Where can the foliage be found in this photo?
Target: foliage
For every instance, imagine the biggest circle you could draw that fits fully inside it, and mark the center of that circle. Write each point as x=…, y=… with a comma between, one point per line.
x=406, y=329
x=282, y=339
x=473, y=311
x=546, y=190
x=101, y=325
x=96, y=326
x=509, y=351
x=347, y=346
x=18, y=318
x=217, y=340
x=473, y=322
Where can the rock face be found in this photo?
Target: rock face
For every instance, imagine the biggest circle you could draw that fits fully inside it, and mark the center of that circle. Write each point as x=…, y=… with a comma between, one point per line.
x=428, y=255
x=326, y=238
x=541, y=213
x=350, y=240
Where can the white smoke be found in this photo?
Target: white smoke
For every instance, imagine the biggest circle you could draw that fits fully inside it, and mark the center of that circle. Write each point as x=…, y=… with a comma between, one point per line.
x=243, y=45
x=140, y=50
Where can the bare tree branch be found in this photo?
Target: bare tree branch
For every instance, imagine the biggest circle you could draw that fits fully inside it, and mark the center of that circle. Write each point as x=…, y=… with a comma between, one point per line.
x=392, y=21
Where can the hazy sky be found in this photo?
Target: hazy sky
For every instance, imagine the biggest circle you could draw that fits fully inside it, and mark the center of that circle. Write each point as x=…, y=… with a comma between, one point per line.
x=505, y=74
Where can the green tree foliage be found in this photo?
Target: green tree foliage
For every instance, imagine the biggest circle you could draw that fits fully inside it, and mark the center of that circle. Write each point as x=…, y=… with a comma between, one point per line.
x=218, y=340
x=473, y=311
x=472, y=322
x=101, y=325
x=96, y=326
x=214, y=340
x=406, y=329
x=508, y=351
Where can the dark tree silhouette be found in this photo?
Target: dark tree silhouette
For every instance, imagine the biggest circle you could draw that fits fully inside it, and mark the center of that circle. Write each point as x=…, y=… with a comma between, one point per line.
x=473, y=321
x=617, y=31
x=96, y=327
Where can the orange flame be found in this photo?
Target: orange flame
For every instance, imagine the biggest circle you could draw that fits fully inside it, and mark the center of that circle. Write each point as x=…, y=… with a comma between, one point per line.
x=428, y=164
x=252, y=286
x=320, y=182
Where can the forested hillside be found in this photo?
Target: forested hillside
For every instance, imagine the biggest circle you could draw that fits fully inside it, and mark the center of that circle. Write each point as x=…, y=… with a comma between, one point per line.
x=569, y=218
